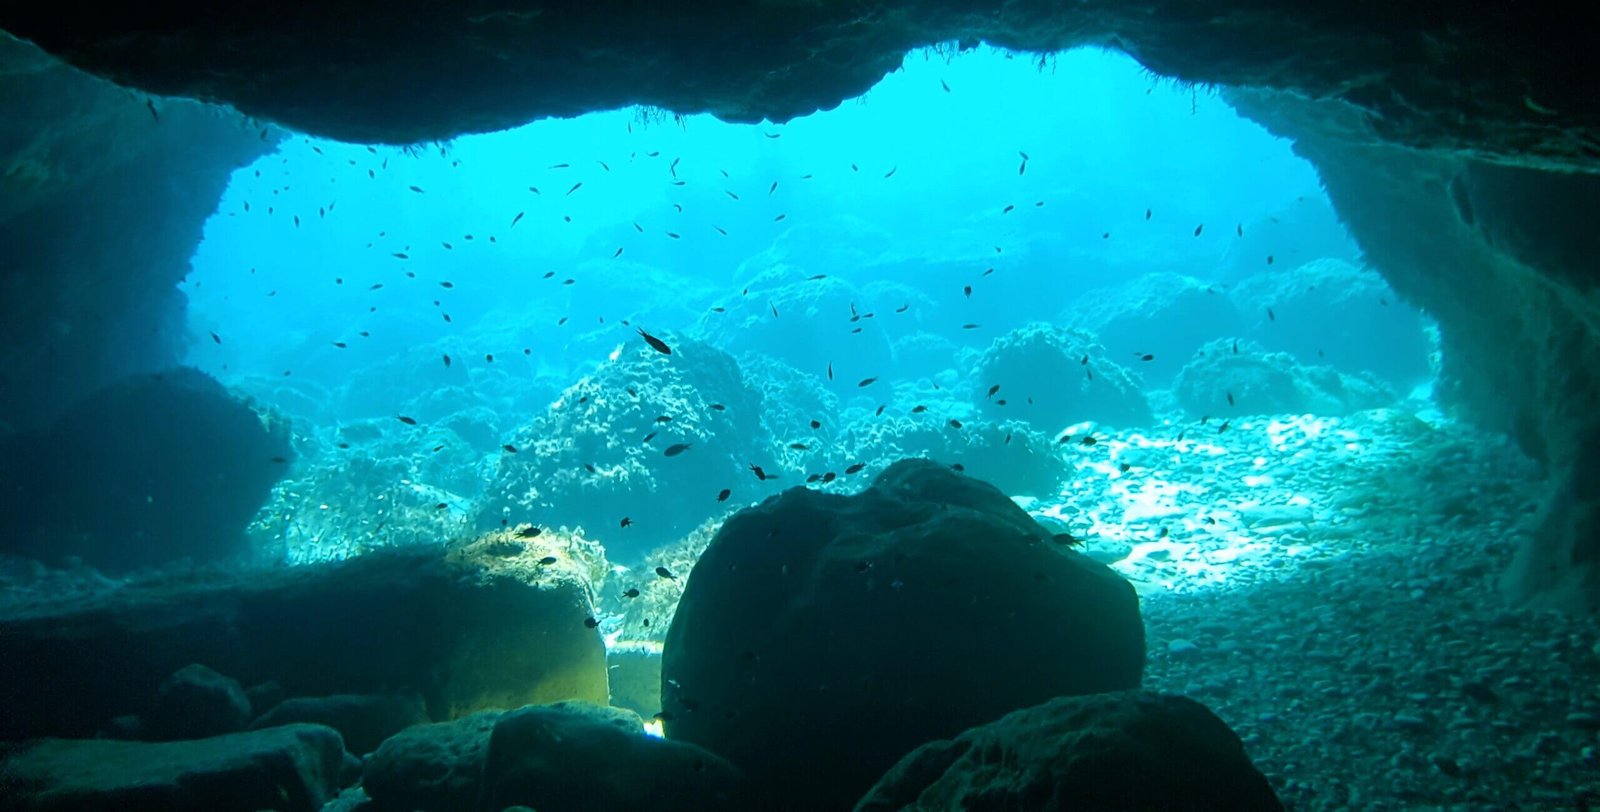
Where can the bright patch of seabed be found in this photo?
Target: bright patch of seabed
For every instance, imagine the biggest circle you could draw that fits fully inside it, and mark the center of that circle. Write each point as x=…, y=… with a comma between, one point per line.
x=910, y=175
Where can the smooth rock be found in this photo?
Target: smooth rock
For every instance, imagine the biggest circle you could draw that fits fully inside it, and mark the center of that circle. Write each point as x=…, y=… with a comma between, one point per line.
x=364, y=720
x=195, y=703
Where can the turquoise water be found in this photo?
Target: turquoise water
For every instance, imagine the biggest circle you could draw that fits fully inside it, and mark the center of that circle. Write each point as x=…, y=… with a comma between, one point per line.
x=470, y=286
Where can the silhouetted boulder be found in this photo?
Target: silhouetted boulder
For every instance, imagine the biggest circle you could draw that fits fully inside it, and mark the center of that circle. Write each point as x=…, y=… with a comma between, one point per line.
x=821, y=637
x=196, y=702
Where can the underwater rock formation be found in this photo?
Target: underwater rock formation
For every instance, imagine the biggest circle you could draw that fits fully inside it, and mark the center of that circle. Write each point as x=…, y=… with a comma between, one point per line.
x=828, y=635
x=603, y=421
x=1167, y=315
x=150, y=469
x=293, y=769
x=1045, y=365
x=562, y=757
x=1222, y=383
x=1331, y=312
x=1111, y=751
x=811, y=329
x=196, y=703
x=483, y=626
x=1503, y=259
x=1487, y=77
x=90, y=273
x=363, y=720
x=575, y=756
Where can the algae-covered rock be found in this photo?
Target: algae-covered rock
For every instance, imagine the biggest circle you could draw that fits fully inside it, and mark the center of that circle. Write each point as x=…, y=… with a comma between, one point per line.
x=587, y=461
x=484, y=625
x=1044, y=380
x=290, y=768
x=1110, y=752
x=1232, y=377
x=827, y=635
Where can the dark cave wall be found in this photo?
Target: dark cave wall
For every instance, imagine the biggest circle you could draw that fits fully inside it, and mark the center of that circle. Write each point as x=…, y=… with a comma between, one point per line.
x=1496, y=79
x=1504, y=259
x=101, y=205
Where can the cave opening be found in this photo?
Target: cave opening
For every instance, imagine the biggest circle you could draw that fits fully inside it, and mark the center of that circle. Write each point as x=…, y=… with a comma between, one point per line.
x=574, y=353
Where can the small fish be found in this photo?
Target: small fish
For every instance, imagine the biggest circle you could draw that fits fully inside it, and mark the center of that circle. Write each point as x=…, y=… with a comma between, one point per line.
x=590, y=622
x=779, y=217
x=1224, y=427
x=730, y=194
x=891, y=172
x=649, y=437
x=902, y=308
x=410, y=421
x=970, y=326
x=1088, y=440
x=1198, y=228
x=722, y=496
x=918, y=409
x=1239, y=229
x=1147, y=357
x=958, y=467
x=718, y=407
x=993, y=390
x=773, y=188
x=603, y=165
x=1270, y=315
x=945, y=86
x=774, y=309
x=666, y=573
x=1230, y=398
x=830, y=370
x=401, y=255
x=531, y=531
x=800, y=446
x=517, y=219
x=575, y=187
x=417, y=189
x=150, y=104
x=216, y=338
x=816, y=424
x=447, y=284
x=509, y=448
x=866, y=382
x=442, y=506
x=829, y=477
x=631, y=593
x=856, y=468
x=815, y=277
x=1123, y=467
x=340, y=344
x=1236, y=346
x=655, y=343
x=558, y=166
x=813, y=478
x=760, y=474
x=720, y=231
x=1147, y=214
x=674, y=167
x=672, y=235
x=535, y=190
x=1008, y=209
x=966, y=290
x=625, y=522
x=664, y=419
x=589, y=466
x=879, y=412
x=954, y=423
x=677, y=448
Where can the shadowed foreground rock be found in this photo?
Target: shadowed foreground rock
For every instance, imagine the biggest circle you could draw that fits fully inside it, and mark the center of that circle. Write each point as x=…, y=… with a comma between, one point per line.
x=564, y=757
x=290, y=769
x=1108, y=752
x=467, y=630
x=822, y=637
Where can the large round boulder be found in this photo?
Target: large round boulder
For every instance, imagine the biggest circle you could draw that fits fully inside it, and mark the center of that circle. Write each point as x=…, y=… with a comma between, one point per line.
x=1054, y=378
x=821, y=637
x=1108, y=752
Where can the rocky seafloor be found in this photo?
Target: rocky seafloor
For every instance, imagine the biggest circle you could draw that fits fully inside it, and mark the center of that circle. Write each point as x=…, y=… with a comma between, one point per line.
x=1343, y=616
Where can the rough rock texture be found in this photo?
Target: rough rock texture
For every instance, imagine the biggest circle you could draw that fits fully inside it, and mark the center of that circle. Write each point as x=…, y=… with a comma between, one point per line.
x=1504, y=259
x=150, y=469
x=431, y=767
x=926, y=604
x=1167, y=315
x=579, y=757
x=635, y=673
x=1270, y=383
x=196, y=702
x=286, y=768
x=1495, y=79
x=602, y=421
x=469, y=630
x=563, y=757
x=1106, y=752
x=1009, y=455
x=1045, y=364
x=89, y=274
x=364, y=720
x=1331, y=312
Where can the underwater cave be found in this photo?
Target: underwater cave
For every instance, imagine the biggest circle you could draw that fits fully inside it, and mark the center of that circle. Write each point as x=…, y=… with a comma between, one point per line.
x=890, y=406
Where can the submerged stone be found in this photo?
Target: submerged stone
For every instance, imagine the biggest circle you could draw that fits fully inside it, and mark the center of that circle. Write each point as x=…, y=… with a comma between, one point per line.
x=825, y=636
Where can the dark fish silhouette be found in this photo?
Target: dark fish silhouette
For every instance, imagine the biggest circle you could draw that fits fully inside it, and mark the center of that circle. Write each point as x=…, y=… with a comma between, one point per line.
x=531, y=531
x=666, y=573
x=677, y=448
x=723, y=495
x=655, y=343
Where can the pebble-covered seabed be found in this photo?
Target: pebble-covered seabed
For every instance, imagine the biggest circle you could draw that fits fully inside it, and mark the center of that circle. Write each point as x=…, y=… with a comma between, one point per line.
x=1328, y=588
